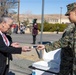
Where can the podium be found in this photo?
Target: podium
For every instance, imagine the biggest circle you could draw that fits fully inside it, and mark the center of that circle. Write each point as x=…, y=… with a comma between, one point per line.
x=50, y=65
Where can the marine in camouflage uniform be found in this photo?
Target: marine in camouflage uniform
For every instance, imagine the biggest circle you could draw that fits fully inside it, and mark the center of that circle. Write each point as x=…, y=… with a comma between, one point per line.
x=68, y=45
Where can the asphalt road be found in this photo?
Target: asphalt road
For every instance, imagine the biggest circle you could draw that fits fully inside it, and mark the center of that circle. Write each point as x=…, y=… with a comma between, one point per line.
x=27, y=38
x=21, y=66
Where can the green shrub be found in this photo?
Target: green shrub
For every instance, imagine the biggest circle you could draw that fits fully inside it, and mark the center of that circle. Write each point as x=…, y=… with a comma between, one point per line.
x=48, y=27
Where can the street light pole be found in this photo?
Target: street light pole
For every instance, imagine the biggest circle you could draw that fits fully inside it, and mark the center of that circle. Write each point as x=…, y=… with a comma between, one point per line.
x=42, y=22
x=60, y=14
x=18, y=12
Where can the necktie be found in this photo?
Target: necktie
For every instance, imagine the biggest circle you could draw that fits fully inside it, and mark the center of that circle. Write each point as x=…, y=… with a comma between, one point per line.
x=5, y=39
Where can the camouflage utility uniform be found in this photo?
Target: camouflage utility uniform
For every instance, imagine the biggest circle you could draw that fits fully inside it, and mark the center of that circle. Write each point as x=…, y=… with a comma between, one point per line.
x=68, y=46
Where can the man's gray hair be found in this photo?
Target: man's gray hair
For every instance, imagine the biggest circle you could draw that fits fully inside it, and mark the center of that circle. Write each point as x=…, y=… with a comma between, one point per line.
x=5, y=19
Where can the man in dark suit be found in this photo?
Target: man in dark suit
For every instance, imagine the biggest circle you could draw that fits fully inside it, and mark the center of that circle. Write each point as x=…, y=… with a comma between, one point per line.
x=7, y=47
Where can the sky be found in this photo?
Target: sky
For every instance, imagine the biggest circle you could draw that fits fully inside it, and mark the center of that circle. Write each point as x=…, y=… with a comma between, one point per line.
x=50, y=6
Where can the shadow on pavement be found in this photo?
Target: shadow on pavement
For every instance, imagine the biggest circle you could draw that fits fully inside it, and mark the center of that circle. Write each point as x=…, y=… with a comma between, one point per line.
x=45, y=42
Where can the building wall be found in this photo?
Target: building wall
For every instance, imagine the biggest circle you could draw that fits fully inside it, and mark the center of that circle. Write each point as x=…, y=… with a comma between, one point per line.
x=52, y=18
x=64, y=21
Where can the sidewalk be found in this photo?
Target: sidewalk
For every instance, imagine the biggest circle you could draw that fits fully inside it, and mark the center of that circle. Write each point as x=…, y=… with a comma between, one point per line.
x=45, y=32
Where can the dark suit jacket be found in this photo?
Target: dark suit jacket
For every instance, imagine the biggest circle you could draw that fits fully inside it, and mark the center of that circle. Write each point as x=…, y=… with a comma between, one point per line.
x=5, y=52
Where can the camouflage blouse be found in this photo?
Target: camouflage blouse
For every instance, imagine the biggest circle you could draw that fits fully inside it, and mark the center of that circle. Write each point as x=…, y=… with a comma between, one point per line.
x=65, y=41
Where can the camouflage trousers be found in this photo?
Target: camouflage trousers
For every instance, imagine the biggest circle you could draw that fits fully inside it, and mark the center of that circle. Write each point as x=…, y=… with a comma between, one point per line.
x=74, y=66
x=66, y=65
x=66, y=68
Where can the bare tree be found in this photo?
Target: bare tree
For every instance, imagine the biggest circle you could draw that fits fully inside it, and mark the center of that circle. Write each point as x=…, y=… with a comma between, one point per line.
x=7, y=5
